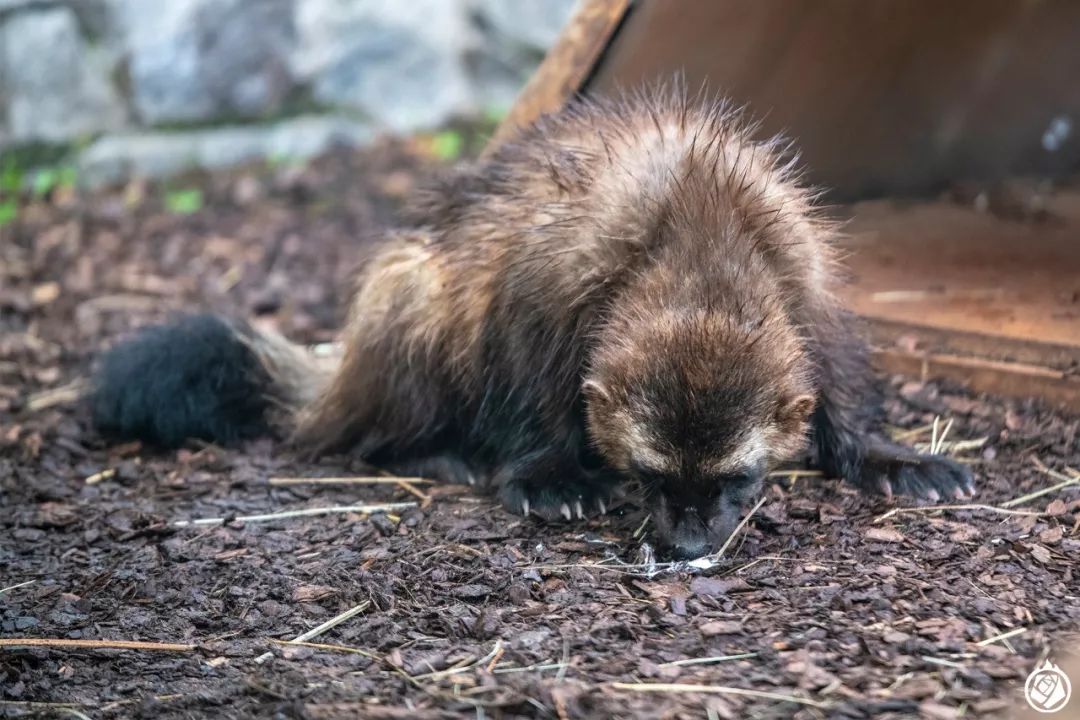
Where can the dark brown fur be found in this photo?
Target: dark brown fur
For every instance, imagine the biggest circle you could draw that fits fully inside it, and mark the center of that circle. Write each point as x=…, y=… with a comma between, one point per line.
x=623, y=273
x=629, y=289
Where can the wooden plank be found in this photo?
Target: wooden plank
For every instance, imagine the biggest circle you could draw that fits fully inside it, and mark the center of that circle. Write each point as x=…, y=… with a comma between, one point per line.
x=989, y=301
x=566, y=67
x=889, y=333
x=1019, y=380
x=971, y=282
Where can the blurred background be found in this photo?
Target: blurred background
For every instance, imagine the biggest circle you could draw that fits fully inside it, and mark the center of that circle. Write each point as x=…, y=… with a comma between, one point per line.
x=249, y=130
x=103, y=90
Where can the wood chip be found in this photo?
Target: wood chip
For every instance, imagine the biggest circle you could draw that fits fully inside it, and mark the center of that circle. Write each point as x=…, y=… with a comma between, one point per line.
x=884, y=534
x=721, y=627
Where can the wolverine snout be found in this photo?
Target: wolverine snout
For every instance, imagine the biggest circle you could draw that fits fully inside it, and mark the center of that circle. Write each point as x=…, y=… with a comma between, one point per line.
x=686, y=532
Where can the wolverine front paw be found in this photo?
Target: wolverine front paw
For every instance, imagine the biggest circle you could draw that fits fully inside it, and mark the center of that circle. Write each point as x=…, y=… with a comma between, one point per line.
x=553, y=491
x=892, y=469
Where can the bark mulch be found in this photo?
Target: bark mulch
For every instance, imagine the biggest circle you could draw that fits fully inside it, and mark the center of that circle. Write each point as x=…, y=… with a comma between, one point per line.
x=848, y=607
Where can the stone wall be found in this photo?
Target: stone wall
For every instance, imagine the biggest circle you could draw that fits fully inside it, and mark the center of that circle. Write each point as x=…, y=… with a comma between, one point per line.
x=211, y=81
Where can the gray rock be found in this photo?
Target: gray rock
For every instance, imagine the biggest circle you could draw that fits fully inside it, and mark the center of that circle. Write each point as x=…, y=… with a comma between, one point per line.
x=93, y=14
x=403, y=64
x=155, y=154
x=196, y=60
x=13, y=5
x=516, y=35
x=72, y=68
x=55, y=85
x=533, y=24
x=163, y=61
x=245, y=45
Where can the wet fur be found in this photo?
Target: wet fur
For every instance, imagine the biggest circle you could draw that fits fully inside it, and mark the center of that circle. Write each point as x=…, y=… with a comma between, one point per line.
x=203, y=377
x=177, y=398
x=471, y=333
x=643, y=245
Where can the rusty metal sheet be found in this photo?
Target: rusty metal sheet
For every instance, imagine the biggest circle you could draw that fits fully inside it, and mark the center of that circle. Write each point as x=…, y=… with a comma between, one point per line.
x=882, y=96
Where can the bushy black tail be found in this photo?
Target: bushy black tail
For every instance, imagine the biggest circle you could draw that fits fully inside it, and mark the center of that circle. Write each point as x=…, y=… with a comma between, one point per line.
x=201, y=377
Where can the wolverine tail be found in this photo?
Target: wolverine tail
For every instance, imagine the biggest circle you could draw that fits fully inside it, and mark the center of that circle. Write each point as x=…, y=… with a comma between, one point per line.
x=203, y=377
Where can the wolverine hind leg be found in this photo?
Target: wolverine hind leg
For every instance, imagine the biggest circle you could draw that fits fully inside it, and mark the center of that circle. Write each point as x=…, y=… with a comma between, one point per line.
x=387, y=393
x=845, y=424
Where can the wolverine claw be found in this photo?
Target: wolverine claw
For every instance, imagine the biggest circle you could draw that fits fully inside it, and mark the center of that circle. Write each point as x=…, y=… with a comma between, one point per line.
x=552, y=496
x=892, y=468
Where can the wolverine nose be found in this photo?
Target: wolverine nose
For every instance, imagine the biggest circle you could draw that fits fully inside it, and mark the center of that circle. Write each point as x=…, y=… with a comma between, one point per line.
x=689, y=550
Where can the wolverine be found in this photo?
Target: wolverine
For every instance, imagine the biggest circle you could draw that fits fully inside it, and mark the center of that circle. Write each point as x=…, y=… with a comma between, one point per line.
x=631, y=289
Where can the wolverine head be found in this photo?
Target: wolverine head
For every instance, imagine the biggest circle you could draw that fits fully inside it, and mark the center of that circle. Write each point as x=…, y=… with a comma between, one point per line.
x=698, y=407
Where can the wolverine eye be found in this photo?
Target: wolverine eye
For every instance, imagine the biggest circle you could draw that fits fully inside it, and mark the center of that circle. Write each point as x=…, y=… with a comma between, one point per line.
x=738, y=486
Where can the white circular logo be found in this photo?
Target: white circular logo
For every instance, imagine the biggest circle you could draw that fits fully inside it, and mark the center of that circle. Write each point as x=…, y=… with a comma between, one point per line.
x=1047, y=688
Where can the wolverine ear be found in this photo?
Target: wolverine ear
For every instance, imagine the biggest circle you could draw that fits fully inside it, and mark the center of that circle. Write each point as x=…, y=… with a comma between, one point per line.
x=594, y=390
x=796, y=410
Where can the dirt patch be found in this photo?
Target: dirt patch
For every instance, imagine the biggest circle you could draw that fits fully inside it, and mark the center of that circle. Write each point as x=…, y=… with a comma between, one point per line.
x=466, y=610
